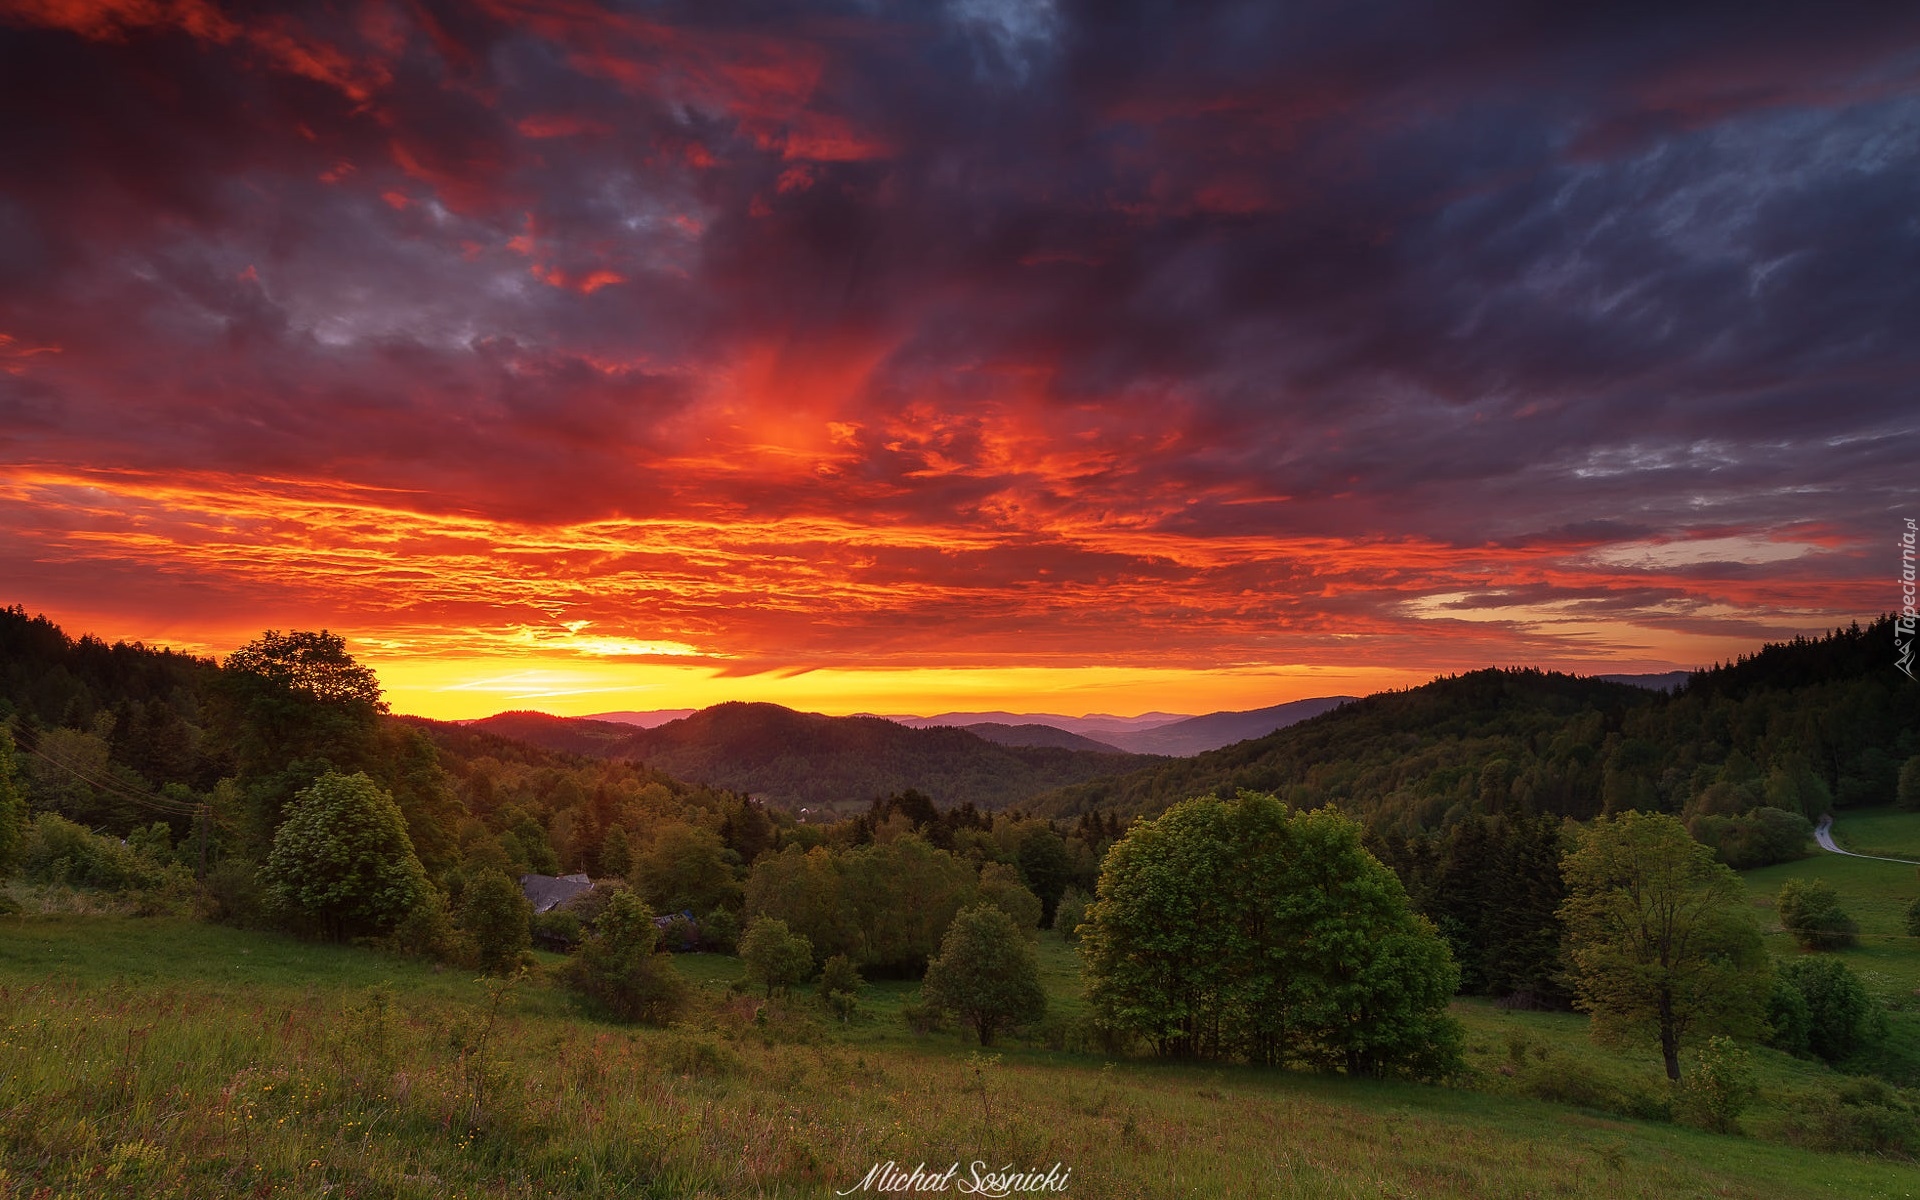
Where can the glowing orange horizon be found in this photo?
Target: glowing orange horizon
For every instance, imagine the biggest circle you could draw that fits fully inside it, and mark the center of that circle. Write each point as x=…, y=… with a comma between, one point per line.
x=464, y=615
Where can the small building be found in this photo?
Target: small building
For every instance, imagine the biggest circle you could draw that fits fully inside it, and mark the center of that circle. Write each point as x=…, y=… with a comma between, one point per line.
x=546, y=892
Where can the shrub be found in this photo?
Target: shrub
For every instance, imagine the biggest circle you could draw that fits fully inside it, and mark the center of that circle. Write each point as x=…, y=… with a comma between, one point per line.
x=1841, y=1017
x=1861, y=1116
x=720, y=931
x=1071, y=914
x=496, y=919
x=1913, y=918
x=1789, y=1020
x=233, y=894
x=1719, y=1088
x=427, y=930
x=1574, y=1081
x=61, y=852
x=1811, y=912
x=617, y=969
x=839, y=974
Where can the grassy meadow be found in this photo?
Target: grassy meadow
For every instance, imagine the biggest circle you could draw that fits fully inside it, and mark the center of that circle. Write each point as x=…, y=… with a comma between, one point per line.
x=167, y=1058
x=1876, y=895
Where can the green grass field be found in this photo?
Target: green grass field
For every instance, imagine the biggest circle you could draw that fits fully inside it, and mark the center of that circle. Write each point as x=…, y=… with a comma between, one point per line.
x=1876, y=895
x=162, y=1058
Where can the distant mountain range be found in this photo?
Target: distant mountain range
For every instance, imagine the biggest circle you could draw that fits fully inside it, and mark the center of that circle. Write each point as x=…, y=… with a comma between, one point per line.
x=1149, y=733
x=808, y=760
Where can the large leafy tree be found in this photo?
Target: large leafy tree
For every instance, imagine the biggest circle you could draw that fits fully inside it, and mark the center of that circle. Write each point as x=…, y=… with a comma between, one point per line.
x=1660, y=936
x=1243, y=928
x=341, y=862
x=987, y=973
x=292, y=707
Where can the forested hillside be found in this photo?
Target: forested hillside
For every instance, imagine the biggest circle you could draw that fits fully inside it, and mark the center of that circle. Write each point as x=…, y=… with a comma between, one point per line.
x=1796, y=727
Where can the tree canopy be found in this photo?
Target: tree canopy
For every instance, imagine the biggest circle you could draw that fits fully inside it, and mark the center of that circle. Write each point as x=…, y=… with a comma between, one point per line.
x=342, y=861
x=1243, y=928
x=987, y=973
x=1660, y=935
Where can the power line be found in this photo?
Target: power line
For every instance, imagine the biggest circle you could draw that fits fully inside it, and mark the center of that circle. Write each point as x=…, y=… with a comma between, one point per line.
x=156, y=803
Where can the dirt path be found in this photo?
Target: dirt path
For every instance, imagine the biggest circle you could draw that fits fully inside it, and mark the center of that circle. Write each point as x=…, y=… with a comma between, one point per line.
x=1824, y=835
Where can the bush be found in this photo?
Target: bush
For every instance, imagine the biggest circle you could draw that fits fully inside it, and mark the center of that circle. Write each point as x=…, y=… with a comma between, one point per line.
x=1789, y=1020
x=1574, y=1081
x=60, y=852
x=720, y=931
x=496, y=919
x=1071, y=914
x=1861, y=1116
x=1841, y=1017
x=1760, y=838
x=617, y=969
x=427, y=930
x=1913, y=918
x=1811, y=912
x=923, y=1018
x=233, y=894
x=839, y=974
x=1719, y=1088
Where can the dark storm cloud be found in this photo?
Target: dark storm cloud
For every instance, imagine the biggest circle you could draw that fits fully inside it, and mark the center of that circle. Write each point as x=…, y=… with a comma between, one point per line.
x=1497, y=275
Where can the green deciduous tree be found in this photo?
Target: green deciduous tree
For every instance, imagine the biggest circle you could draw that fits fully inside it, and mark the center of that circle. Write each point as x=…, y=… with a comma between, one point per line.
x=291, y=707
x=687, y=868
x=616, y=966
x=341, y=861
x=1046, y=867
x=1660, y=936
x=1244, y=928
x=776, y=957
x=1000, y=886
x=986, y=973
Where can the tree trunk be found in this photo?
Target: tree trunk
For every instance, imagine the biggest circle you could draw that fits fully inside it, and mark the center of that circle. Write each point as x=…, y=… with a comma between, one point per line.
x=1669, y=1040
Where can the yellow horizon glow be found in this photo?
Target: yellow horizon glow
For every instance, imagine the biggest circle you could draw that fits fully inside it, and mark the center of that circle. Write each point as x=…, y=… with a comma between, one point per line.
x=460, y=689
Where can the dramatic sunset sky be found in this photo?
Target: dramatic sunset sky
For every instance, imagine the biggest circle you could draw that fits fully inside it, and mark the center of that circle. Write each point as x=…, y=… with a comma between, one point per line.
x=988, y=353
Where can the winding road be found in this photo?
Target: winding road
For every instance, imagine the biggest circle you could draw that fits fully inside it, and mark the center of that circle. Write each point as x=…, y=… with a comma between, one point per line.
x=1824, y=835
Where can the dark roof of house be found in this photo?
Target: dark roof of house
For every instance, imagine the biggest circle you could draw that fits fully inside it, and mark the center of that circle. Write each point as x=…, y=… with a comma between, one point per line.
x=545, y=892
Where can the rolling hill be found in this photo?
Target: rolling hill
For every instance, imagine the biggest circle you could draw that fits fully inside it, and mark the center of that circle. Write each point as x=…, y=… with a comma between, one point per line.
x=807, y=760
x=1196, y=735
x=1411, y=754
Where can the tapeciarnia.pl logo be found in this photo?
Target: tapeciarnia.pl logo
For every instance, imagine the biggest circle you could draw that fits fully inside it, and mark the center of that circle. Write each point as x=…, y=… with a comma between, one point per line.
x=980, y=1180
x=1903, y=625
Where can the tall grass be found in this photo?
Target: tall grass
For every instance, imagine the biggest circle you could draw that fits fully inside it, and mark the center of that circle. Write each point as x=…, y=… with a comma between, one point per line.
x=169, y=1059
